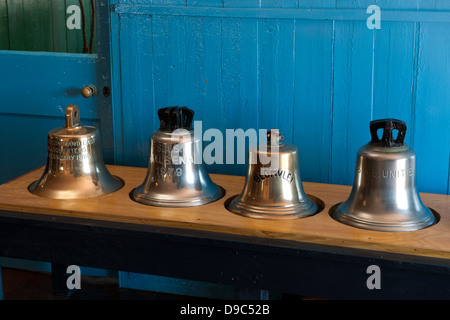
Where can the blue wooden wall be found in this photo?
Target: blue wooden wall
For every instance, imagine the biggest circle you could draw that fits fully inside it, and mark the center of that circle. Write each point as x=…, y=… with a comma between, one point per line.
x=312, y=69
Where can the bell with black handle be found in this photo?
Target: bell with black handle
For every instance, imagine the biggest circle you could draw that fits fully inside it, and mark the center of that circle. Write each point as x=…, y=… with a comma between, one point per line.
x=384, y=195
x=176, y=175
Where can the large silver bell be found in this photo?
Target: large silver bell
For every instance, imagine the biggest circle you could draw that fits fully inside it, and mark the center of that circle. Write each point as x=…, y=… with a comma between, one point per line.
x=176, y=176
x=384, y=195
x=75, y=167
x=273, y=189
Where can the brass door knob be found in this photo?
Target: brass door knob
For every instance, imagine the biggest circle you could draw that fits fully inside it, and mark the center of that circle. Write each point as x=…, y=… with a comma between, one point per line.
x=89, y=91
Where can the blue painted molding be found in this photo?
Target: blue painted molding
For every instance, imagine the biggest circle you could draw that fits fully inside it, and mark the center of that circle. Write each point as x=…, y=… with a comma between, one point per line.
x=388, y=15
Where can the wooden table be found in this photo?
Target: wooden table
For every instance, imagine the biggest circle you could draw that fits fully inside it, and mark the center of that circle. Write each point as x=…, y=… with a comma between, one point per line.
x=314, y=256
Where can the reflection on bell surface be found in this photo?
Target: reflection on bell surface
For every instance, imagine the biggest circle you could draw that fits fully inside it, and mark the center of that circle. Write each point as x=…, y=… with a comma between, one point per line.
x=176, y=176
x=273, y=188
x=384, y=195
x=75, y=167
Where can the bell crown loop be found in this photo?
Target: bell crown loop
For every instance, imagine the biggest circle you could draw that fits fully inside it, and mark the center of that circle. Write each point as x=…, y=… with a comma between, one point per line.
x=274, y=137
x=175, y=117
x=387, y=140
x=72, y=116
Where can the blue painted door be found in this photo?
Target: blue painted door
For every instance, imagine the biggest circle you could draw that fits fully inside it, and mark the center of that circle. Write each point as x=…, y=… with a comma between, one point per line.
x=37, y=86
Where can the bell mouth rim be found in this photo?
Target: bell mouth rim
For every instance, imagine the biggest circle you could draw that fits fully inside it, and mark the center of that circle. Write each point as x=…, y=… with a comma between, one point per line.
x=347, y=219
x=121, y=184
x=138, y=197
x=280, y=212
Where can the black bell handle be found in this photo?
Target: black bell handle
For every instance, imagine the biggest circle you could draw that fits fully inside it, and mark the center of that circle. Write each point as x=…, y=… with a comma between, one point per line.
x=172, y=118
x=388, y=125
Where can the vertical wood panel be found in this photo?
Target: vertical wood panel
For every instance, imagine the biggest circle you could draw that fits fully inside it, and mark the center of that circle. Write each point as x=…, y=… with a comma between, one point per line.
x=138, y=118
x=276, y=53
x=4, y=36
x=37, y=24
x=16, y=24
x=74, y=36
x=313, y=98
x=116, y=88
x=203, y=56
x=59, y=26
x=431, y=108
x=393, y=73
x=276, y=63
x=241, y=81
x=352, y=96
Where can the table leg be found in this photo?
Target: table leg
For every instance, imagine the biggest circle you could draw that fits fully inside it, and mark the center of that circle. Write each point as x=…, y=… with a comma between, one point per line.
x=59, y=280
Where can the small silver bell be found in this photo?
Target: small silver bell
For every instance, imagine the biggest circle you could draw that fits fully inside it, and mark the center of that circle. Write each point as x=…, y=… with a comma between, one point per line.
x=273, y=190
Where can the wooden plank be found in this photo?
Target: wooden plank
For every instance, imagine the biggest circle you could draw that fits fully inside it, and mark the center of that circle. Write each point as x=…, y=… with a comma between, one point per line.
x=431, y=129
x=319, y=229
x=231, y=82
x=139, y=112
x=204, y=42
x=276, y=43
x=393, y=70
x=116, y=92
x=75, y=36
x=240, y=85
x=312, y=119
x=59, y=28
x=204, y=76
x=37, y=25
x=4, y=28
x=352, y=96
x=16, y=25
x=103, y=79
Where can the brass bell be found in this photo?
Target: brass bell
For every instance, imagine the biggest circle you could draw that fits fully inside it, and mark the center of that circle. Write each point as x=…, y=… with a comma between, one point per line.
x=176, y=176
x=273, y=188
x=384, y=195
x=75, y=167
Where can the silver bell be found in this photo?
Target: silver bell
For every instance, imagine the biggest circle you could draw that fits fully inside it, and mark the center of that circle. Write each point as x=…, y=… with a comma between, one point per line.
x=384, y=195
x=174, y=177
x=273, y=190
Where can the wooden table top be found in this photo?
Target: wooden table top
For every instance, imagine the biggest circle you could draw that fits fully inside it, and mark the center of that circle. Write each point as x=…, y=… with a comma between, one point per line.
x=318, y=229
